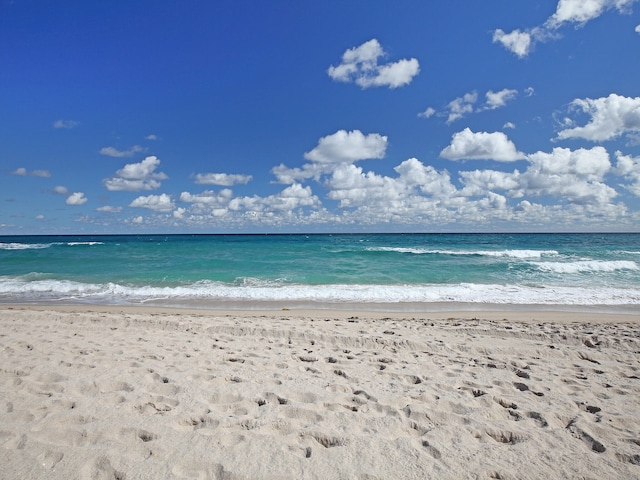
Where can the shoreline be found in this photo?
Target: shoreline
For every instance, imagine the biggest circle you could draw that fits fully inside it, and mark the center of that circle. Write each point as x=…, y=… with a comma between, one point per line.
x=511, y=312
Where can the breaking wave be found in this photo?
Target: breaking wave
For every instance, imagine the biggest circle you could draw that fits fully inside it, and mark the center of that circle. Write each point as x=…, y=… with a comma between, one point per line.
x=508, y=253
x=586, y=266
x=212, y=293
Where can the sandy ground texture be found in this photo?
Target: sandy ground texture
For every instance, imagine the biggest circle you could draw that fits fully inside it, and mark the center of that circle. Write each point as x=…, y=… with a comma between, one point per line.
x=110, y=393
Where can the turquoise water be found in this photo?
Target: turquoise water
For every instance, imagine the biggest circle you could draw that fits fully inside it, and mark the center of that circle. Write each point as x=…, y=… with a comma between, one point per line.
x=322, y=270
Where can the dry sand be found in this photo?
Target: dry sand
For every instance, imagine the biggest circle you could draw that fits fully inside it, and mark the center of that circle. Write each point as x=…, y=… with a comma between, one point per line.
x=98, y=392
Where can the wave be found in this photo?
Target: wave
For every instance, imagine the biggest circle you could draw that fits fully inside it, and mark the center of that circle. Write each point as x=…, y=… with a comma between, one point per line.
x=213, y=293
x=24, y=246
x=587, y=266
x=509, y=253
x=73, y=244
x=38, y=246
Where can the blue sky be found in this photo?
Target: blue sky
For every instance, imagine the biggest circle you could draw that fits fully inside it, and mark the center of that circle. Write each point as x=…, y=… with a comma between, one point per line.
x=247, y=116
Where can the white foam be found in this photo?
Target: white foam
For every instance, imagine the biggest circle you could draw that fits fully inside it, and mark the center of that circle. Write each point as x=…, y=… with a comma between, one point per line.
x=84, y=243
x=585, y=266
x=214, y=292
x=509, y=253
x=23, y=246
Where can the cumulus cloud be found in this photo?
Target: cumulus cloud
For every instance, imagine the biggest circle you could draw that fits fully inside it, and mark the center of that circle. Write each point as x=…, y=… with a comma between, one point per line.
x=569, y=183
x=348, y=147
x=158, y=203
x=611, y=117
x=291, y=198
x=114, y=152
x=23, y=172
x=350, y=186
x=465, y=105
x=637, y=28
x=135, y=177
x=208, y=200
x=152, y=137
x=360, y=65
x=286, y=174
x=61, y=190
x=581, y=11
x=470, y=145
x=335, y=149
x=68, y=124
x=574, y=176
x=109, y=209
x=517, y=41
x=271, y=209
x=629, y=168
x=521, y=42
x=428, y=113
x=223, y=179
x=499, y=99
x=76, y=198
x=461, y=106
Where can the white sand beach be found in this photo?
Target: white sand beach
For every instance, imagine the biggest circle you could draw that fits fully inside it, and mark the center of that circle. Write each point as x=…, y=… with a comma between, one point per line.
x=91, y=392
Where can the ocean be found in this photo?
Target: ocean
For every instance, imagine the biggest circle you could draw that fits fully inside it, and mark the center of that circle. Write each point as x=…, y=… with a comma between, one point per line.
x=410, y=272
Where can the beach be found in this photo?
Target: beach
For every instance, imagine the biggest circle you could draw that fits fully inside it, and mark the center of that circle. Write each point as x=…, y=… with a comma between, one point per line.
x=96, y=392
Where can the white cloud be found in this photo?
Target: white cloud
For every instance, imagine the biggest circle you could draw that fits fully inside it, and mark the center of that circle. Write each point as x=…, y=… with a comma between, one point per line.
x=77, y=198
x=23, y=172
x=461, y=106
x=499, y=99
x=569, y=183
x=208, y=197
x=392, y=75
x=611, y=117
x=509, y=125
x=223, y=179
x=152, y=137
x=39, y=217
x=629, y=167
x=292, y=197
x=207, y=201
x=352, y=187
x=517, y=41
x=465, y=105
x=348, y=147
x=567, y=11
x=637, y=29
x=135, y=177
x=481, y=146
x=286, y=175
x=428, y=113
x=61, y=190
x=114, y=152
x=68, y=124
x=360, y=65
x=109, y=209
x=414, y=173
x=529, y=91
x=158, y=203
x=338, y=148
x=210, y=206
x=581, y=11
x=574, y=176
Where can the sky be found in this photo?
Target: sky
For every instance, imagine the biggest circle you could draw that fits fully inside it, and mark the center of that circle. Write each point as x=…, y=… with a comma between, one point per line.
x=245, y=116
